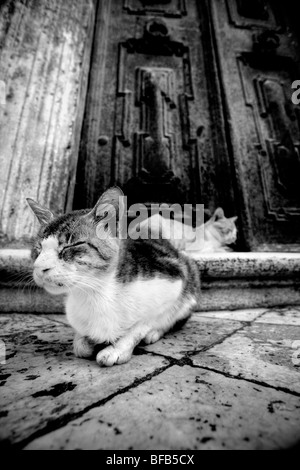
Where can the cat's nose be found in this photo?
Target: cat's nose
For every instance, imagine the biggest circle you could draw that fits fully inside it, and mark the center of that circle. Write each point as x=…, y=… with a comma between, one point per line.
x=43, y=265
x=40, y=271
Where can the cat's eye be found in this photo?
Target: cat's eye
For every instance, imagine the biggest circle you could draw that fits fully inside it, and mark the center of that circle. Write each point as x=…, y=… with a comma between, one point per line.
x=74, y=245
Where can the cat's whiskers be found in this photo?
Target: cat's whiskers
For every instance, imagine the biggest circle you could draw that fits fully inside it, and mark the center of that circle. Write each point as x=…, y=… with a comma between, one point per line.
x=18, y=277
x=77, y=281
x=28, y=286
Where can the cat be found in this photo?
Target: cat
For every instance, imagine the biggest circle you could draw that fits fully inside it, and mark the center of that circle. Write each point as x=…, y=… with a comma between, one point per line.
x=117, y=291
x=215, y=236
x=219, y=233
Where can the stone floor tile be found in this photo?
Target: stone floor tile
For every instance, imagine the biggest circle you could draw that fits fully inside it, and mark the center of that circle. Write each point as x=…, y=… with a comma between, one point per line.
x=42, y=381
x=185, y=408
x=286, y=316
x=57, y=317
x=242, y=392
x=261, y=352
x=197, y=333
x=237, y=315
x=15, y=323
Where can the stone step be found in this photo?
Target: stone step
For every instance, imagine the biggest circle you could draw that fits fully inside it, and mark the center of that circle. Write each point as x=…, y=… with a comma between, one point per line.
x=229, y=281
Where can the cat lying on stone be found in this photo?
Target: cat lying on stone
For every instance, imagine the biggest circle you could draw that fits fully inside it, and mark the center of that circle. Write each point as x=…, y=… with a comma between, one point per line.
x=215, y=236
x=117, y=291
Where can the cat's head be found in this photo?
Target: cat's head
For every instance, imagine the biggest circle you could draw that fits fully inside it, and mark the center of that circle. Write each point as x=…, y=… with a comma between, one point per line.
x=222, y=228
x=74, y=249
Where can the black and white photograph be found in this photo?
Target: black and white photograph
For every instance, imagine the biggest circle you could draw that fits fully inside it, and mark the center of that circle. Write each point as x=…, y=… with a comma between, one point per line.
x=149, y=227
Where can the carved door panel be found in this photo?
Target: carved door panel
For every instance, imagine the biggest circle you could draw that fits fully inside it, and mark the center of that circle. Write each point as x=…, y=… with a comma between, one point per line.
x=259, y=60
x=150, y=109
x=190, y=102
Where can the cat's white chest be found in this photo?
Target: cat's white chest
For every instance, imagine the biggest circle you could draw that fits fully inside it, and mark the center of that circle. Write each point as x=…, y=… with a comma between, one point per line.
x=114, y=308
x=95, y=314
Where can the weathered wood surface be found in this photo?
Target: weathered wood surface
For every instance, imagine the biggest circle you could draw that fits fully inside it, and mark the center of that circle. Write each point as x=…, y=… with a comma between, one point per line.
x=153, y=122
x=258, y=48
x=45, y=50
x=227, y=380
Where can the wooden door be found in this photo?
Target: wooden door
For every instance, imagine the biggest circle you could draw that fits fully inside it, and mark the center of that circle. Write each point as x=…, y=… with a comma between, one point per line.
x=190, y=102
x=258, y=53
x=152, y=116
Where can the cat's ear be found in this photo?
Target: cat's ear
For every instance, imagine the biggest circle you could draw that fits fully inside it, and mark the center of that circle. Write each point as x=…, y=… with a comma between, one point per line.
x=234, y=219
x=109, y=209
x=218, y=215
x=43, y=215
x=110, y=203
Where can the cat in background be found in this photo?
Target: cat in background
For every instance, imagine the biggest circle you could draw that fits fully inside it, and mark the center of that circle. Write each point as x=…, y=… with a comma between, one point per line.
x=118, y=291
x=219, y=233
x=215, y=236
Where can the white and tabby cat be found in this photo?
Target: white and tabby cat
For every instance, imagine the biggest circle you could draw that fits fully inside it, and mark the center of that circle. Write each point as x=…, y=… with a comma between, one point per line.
x=118, y=292
x=215, y=236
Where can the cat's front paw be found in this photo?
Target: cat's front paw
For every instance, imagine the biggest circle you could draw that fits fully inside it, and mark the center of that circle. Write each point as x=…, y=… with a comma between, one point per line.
x=153, y=336
x=83, y=347
x=111, y=356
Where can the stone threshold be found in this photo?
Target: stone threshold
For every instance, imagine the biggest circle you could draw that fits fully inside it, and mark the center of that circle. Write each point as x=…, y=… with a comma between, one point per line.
x=230, y=281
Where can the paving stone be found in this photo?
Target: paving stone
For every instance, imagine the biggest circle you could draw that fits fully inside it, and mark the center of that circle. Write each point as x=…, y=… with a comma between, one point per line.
x=197, y=333
x=185, y=408
x=150, y=403
x=263, y=352
x=32, y=355
x=42, y=381
x=57, y=317
x=11, y=324
x=286, y=316
x=238, y=315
